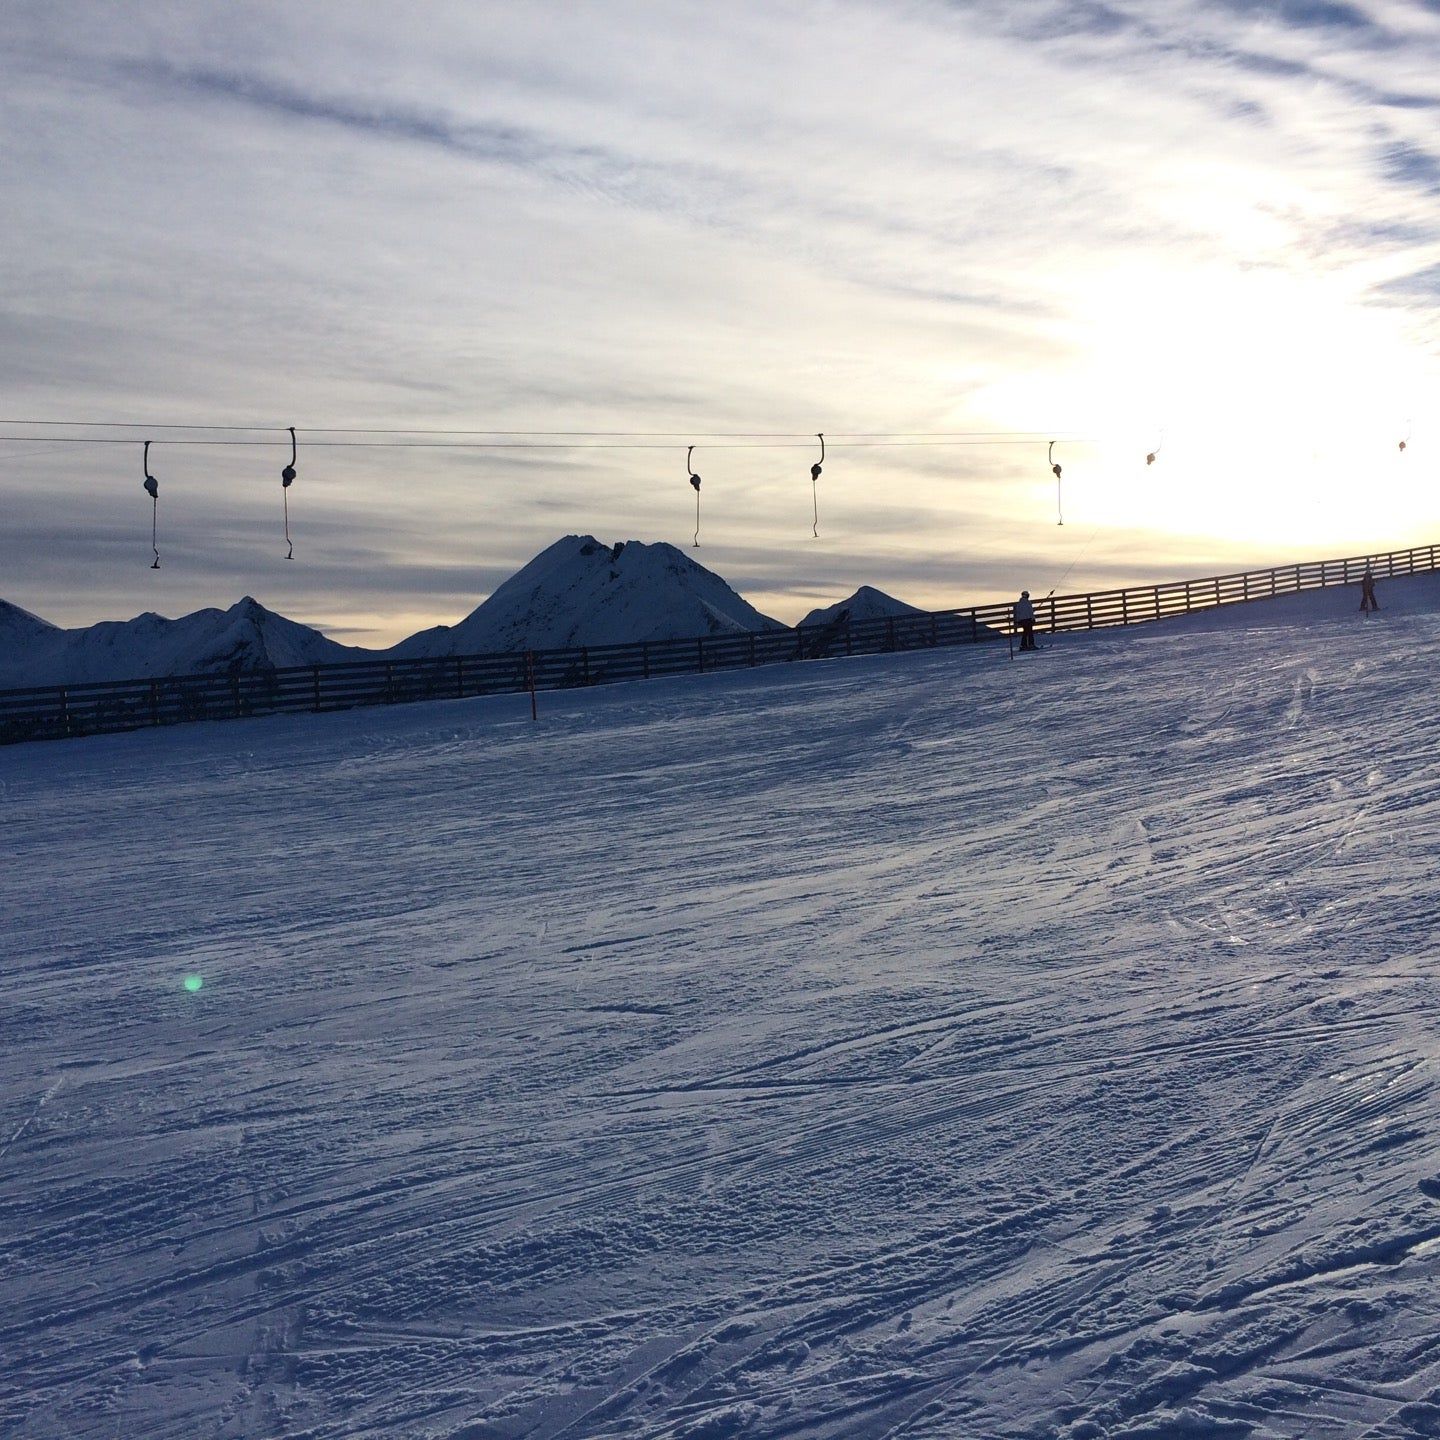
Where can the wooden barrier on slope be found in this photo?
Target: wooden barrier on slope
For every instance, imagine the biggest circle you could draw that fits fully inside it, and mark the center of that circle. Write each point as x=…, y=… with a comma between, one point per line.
x=102, y=707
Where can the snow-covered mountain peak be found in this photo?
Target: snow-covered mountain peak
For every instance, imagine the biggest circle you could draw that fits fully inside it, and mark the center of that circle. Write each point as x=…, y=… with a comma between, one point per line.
x=582, y=591
x=19, y=627
x=867, y=603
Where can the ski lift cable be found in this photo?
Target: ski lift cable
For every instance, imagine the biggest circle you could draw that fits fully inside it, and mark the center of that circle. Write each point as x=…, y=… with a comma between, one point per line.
x=1079, y=556
x=29, y=454
x=312, y=430
x=895, y=444
x=419, y=437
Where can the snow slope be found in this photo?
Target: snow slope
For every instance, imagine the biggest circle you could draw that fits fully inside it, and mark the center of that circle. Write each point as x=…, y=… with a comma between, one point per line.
x=867, y=603
x=244, y=638
x=922, y=1045
x=1410, y=595
x=580, y=592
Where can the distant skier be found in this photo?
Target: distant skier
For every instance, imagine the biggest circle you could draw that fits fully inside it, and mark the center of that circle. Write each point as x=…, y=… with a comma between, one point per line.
x=1368, y=602
x=1024, y=613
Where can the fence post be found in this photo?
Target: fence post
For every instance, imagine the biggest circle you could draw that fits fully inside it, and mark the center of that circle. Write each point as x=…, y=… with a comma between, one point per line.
x=1089, y=614
x=459, y=677
x=889, y=632
x=585, y=663
x=1124, y=607
x=974, y=628
x=235, y=693
x=752, y=647
x=530, y=682
x=315, y=677
x=154, y=702
x=700, y=655
x=65, y=709
x=645, y=657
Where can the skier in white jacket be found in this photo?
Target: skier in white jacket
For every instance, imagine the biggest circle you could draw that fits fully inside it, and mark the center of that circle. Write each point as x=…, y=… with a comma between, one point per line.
x=1024, y=613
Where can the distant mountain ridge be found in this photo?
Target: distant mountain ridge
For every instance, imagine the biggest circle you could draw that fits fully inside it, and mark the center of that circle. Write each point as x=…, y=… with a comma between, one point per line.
x=575, y=592
x=246, y=637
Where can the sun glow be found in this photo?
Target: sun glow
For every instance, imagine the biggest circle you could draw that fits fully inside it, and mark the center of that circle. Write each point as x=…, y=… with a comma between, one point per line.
x=1274, y=406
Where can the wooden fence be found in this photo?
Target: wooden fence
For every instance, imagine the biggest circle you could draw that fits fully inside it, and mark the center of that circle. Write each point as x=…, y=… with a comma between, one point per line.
x=57, y=711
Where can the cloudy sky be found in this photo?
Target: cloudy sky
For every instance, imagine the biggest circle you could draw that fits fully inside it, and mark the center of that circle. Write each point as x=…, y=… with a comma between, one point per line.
x=1207, y=227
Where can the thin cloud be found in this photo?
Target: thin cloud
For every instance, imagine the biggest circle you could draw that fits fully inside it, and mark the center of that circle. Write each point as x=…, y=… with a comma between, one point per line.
x=837, y=215
x=1313, y=15
x=506, y=145
x=1423, y=284
x=1412, y=167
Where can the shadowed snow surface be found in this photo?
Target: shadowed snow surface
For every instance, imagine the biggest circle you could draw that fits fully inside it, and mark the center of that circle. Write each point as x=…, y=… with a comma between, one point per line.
x=928, y=1045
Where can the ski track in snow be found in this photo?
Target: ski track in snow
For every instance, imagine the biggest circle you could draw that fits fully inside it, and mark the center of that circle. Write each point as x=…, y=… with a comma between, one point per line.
x=915, y=1046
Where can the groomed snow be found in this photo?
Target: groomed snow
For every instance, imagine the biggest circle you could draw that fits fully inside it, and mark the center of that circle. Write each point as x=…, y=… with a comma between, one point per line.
x=929, y=1045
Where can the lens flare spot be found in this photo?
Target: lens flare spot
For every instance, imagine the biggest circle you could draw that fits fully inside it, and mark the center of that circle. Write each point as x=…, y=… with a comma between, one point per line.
x=193, y=983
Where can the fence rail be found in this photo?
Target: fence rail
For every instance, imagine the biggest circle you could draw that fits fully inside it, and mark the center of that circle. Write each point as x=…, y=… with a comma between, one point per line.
x=58, y=711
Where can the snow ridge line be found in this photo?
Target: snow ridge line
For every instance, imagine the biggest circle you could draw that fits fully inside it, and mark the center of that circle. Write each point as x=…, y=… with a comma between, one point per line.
x=55, y=712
